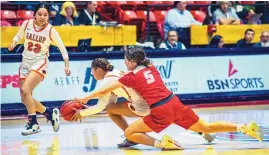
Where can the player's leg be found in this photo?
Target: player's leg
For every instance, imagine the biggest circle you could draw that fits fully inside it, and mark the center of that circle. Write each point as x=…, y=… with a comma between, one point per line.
x=44, y=110
x=40, y=67
x=250, y=129
x=38, y=106
x=137, y=132
x=30, y=82
x=116, y=111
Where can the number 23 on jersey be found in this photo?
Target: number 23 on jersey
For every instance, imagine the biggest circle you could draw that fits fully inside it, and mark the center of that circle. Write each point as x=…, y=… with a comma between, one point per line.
x=34, y=47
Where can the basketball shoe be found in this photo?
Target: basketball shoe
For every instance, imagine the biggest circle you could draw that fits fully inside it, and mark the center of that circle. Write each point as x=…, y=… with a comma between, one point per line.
x=253, y=130
x=170, y=144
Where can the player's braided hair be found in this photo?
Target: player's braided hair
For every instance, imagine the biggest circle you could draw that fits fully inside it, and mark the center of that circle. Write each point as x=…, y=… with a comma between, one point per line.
x=137, y=55
x=102, y=63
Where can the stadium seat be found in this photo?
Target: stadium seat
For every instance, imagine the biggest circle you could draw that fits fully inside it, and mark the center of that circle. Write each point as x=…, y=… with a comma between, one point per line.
x=160, y=26
x=128, y=15
x=198, y=15
x=168, y=2
x=118, y=3
x=160, y=15
x=153, y=2
x=7, y=14
x=5, y=23
x=25, y=14
x=19, y=22
x=247, y=2
x=202, y=2
x=141, y=14
x=135, y=3
x=190, y=2
x=100, y=3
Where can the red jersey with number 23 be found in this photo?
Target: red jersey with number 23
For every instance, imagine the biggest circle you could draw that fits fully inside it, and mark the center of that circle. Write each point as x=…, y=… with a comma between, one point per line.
x=147, y=82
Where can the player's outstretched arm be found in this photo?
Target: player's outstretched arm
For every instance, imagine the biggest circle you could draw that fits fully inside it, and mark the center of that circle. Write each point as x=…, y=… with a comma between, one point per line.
x=58, y=41
x=101, y=92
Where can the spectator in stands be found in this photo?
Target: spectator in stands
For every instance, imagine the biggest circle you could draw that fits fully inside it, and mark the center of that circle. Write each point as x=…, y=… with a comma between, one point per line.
x=172, y=42
x=265, y=15
x=264, y=40
x=226, y=15
x=54, y=9
x=89, y=15
x=216, y=42
x=179, y=17
x=246, y=41
x=67, y=16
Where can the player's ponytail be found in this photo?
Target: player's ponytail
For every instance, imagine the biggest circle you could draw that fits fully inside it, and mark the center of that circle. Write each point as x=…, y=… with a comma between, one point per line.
x=102, y=63
x=137, y=55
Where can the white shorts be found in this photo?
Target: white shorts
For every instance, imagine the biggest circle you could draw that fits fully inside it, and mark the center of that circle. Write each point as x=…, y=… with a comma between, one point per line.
x=39, y=66
x=141, y=112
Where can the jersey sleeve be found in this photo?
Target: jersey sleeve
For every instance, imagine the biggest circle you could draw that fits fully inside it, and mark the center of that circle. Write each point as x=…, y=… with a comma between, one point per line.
x=128, y=80
x=99, y=107
x=103, y=101
x=21, y=31
x=57, y=39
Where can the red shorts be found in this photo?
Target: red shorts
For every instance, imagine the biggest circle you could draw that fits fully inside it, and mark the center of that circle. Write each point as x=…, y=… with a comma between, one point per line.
x=171, y=112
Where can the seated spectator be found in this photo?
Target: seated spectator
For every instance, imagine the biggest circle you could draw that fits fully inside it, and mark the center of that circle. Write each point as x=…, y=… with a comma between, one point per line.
x=178, y=17
x=54, y=9
x=67, y=16
x=246, y=41
x=89, y=15
x=226, y=15
x=265, y=16
x=216, y=42
x=264, y=40
x=172, y=42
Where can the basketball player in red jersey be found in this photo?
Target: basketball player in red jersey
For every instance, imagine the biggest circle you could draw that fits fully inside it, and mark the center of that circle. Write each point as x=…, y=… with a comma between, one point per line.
x=166, y=108
x=38, y=35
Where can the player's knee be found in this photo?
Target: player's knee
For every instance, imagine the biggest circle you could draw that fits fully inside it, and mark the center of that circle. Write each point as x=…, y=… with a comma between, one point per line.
x=127, y=133
x=25, y=91
x=109, y=109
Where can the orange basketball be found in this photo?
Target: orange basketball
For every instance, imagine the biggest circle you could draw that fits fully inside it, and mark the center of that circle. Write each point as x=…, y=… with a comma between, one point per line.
x=67, y=111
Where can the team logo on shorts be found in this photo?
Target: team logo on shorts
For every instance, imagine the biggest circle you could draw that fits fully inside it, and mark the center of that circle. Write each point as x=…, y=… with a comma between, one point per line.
x=44, y=72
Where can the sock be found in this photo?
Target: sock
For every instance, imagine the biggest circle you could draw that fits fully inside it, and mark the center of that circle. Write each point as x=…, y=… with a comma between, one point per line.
x=157, y=144
x=238, y=128
x=32, y=119
x=48, y=113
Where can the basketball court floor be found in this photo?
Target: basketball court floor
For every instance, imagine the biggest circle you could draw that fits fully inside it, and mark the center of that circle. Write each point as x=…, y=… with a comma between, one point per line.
x=99, y=136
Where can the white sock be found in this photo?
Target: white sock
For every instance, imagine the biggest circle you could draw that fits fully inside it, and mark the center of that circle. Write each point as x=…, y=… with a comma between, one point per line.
x=238, y=128
x=157, y=144
x=32, y=114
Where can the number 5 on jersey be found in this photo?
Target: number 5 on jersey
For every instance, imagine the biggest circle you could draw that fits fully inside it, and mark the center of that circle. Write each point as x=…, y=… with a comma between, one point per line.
x=149, y=77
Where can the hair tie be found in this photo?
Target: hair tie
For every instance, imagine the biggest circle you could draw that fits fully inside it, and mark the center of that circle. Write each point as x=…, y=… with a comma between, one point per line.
x=108, y=66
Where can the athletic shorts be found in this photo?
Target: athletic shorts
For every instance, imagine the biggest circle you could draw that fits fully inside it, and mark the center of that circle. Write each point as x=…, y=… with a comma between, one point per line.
x=173, y=111
x=138, y=111
x=39, y=66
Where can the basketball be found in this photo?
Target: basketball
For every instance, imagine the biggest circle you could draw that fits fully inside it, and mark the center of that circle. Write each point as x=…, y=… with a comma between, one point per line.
x=67, y=111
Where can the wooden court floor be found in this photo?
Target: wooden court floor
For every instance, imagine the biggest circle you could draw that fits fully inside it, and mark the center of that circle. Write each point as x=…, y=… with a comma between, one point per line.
x=98, y=135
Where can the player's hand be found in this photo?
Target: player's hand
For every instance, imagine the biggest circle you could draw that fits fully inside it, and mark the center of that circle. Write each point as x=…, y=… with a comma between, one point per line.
x=76, y=117
x=67, y=71
x=11, y=46
x=82, y=101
